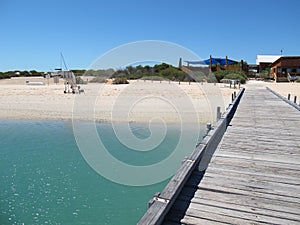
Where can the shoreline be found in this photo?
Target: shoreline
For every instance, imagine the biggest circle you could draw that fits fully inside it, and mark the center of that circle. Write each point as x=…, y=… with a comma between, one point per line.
x=137, y=102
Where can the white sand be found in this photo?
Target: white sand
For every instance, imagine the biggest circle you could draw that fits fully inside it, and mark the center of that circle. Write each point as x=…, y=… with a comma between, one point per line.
x=137, y=102
x=281, y=88
x=286, y=88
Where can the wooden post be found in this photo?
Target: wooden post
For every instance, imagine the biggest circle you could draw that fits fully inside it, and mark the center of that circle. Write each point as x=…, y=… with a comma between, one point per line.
x=210, y=64
x=226, y=63
x=242, y=65
x=180, y=63
x=218, y=113
x=208, y=127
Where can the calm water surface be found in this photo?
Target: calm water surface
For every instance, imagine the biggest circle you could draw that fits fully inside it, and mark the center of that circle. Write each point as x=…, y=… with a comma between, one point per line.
x=45, y=180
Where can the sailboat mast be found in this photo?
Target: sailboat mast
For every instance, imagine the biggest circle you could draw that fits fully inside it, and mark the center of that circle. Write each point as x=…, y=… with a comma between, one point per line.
x=63, y=61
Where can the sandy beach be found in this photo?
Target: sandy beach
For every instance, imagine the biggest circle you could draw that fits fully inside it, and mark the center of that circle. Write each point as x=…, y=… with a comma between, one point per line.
x=281, y=88
x=286, y=88
x=138, y=101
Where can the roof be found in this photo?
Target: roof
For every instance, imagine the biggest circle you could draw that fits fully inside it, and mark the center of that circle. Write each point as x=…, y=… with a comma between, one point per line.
x=283, y=58
x=266, y=58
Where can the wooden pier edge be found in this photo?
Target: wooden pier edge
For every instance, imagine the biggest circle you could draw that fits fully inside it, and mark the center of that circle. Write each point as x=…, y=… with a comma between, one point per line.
x=284, y=99
x=162, y=202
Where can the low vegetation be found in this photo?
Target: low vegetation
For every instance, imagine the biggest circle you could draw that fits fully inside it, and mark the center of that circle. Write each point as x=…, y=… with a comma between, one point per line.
x=17, y=73
x=79, y=80
x=120, y=80
x=265, y=74
x=164, y=71
x=231, y=75
x=157, y=72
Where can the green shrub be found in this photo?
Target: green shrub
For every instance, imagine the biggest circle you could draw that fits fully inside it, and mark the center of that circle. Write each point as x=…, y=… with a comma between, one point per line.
x=98, y=79
x=219, y=75
x=120, y=80
x=235, y=76
x=172, y=73
x=211, y=78
x=229, y=74
x=265, y=74
x=80, y=81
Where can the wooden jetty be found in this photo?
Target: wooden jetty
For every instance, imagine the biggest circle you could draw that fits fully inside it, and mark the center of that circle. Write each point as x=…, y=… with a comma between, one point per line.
x=253, y=176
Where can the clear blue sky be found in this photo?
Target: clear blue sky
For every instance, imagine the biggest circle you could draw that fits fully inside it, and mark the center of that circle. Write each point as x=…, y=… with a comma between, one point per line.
x=34, y=32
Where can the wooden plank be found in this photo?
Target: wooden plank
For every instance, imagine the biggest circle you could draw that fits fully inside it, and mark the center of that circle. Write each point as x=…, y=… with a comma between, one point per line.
x=266, y=215
x=250, y=191
x=213, y=219
x=259, y=181
x=246, y=200
x=232, y=215
x=275, y=159
x=254, y=175
x=246, y=166
x=249, y=160
x=177, y=182
x=157, y=212
x=262, y=148
x=272, y=177
x=154, y=215
x=190, y=220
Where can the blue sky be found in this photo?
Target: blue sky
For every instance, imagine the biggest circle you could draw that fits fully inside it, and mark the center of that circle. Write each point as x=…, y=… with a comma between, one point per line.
x=33, y=33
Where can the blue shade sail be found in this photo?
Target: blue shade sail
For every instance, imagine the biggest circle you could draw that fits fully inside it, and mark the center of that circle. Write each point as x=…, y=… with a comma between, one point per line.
x=214, y=61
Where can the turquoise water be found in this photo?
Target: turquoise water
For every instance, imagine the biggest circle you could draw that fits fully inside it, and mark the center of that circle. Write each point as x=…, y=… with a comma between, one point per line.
x=45, y=180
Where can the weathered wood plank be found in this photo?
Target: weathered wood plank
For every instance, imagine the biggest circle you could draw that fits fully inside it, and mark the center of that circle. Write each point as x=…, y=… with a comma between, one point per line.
x=253, y=177
x=246, y=166
x=261, y=158
x=277, y=178
x=249, y=191
x=214, y=219
x=244, y=216
x=199, y=159
x=258, y=181
x=254, y=201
